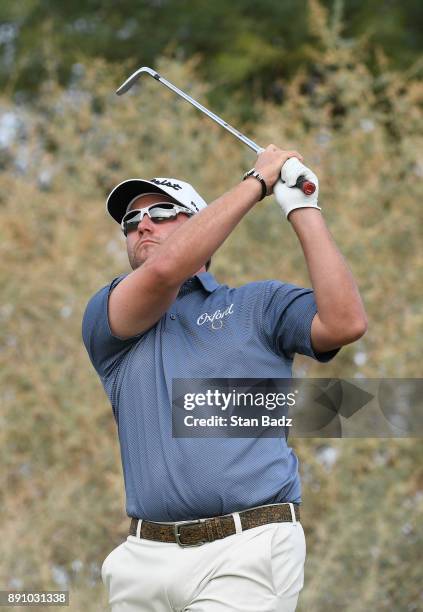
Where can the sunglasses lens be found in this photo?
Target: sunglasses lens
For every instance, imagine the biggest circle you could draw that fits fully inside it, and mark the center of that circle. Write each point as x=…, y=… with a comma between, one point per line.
x=130, y=221
x=162, y=212
x=132, y=214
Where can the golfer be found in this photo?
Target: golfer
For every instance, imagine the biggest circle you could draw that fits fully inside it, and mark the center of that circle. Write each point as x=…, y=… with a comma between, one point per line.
x=215, y=522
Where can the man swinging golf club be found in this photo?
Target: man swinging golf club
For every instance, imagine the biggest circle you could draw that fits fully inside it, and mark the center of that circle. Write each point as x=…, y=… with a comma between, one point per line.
x=215, y=523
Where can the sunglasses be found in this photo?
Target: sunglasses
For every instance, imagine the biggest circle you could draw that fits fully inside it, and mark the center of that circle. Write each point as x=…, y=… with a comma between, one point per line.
x=159, y=212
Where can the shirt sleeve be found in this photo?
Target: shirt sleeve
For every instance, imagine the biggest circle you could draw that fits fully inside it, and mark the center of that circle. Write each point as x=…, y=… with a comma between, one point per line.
x=288, y=312
x=103, y=348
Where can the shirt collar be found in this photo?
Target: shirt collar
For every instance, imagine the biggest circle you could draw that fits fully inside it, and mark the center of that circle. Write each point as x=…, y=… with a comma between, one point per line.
x=208, y=281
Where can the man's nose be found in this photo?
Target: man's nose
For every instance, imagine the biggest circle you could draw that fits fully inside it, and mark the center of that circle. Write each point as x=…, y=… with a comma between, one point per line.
x=145, y=224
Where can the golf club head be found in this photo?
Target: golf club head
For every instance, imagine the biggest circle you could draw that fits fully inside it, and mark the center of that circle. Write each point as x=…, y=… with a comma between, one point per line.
x=134, y=77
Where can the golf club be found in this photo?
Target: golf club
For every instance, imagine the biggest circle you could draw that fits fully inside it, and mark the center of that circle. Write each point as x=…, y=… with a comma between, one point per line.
x=306, y=187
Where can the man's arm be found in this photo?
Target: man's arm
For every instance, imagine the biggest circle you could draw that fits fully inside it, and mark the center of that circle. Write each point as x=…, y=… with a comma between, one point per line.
x=341, y=317
x=142, y=298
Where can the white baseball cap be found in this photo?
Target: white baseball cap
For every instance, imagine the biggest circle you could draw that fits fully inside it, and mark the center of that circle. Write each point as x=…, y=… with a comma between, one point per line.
x=124, y=193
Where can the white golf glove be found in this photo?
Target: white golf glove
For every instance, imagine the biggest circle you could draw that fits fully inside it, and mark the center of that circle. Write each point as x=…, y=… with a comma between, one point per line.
x=290, y=197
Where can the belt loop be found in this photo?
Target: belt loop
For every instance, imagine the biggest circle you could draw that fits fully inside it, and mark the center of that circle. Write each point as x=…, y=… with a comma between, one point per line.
x=294, y=518
x=237, y=521
x=139, y=528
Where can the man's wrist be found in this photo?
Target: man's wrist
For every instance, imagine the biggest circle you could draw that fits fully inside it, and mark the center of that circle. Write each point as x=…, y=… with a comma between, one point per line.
x=254, y=186
x=253, y=173
x=307, y=219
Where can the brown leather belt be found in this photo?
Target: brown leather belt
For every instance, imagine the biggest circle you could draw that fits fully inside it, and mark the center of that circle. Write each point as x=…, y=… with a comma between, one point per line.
x=201, y=531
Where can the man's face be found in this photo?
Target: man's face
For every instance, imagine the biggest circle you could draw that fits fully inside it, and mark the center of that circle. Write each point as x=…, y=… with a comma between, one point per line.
x=140, y=243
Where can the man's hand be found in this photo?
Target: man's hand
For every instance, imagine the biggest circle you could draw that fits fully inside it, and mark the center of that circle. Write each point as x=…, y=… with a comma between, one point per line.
x=269, y=164
x=287, y=195
x=274, y=164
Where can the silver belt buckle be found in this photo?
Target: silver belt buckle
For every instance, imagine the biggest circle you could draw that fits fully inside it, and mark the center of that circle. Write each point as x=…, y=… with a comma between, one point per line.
x=176, y=528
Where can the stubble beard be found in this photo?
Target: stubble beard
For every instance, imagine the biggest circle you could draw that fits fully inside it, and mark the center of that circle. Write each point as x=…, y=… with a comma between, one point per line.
x=135, y=258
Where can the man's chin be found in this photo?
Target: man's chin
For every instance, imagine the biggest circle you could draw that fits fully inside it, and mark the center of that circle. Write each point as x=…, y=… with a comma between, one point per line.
x=141, y=254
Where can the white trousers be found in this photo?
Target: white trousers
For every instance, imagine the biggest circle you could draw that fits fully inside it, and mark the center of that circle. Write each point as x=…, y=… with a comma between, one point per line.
x=257, y=570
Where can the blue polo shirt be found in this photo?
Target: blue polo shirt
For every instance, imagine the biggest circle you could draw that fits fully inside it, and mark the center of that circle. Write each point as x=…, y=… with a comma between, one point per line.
x=210, y=331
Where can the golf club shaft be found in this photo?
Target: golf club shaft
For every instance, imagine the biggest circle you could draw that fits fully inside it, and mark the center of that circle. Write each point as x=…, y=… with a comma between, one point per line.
x=306, y=187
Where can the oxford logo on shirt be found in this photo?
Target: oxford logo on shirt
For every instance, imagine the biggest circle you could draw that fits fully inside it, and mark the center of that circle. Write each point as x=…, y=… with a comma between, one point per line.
x=216, y=319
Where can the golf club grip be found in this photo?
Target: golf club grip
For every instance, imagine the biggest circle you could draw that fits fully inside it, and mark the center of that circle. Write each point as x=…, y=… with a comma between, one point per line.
x=307, y=187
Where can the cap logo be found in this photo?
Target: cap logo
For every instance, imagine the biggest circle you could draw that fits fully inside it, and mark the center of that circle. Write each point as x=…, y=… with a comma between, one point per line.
x=166, y=183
